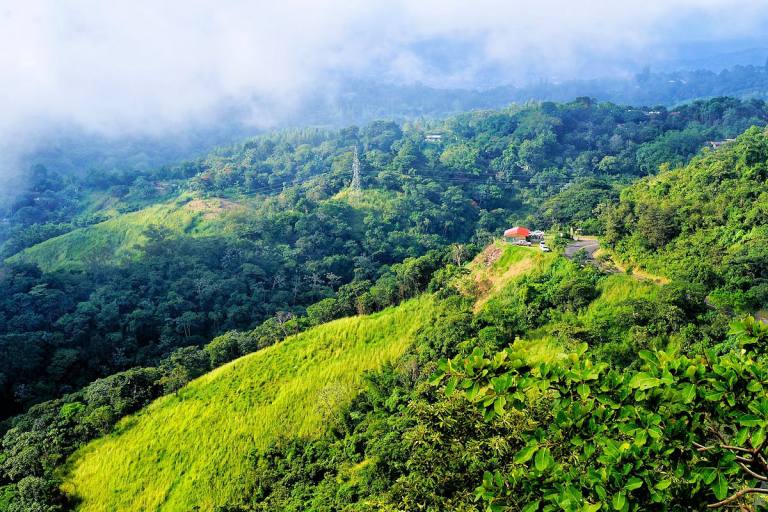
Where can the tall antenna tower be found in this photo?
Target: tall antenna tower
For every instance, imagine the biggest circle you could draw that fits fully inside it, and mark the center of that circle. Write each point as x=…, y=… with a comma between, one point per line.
x=355, y=185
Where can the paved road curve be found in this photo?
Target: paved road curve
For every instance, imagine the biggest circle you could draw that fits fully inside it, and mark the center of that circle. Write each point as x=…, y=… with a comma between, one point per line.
x=588, y=245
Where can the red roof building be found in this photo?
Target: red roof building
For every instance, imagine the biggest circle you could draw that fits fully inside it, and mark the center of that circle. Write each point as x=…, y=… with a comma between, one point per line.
x=517, y=232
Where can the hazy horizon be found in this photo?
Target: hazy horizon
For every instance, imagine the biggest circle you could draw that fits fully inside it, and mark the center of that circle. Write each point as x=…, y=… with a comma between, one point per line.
x=145, y=68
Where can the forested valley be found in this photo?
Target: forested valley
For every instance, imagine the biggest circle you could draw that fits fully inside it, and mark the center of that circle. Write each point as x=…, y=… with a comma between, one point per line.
x=496, y=377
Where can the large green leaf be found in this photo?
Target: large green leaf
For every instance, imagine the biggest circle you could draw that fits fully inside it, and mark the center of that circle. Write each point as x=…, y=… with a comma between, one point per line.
x=619, y=501
x=633, y=483
x=531, y=507
x=644, y=381
x=450, y=386
x=525, y=454
x=720, y=486
x=543, y=460
x=688, y=393
x=749, y=420
x=498, y=405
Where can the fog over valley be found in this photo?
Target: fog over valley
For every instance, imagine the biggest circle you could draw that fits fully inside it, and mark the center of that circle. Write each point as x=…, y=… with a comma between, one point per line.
x=195, y=68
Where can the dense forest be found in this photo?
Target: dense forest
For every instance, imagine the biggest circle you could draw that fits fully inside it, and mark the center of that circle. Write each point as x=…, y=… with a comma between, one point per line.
x=126, y=277
x=98, y=281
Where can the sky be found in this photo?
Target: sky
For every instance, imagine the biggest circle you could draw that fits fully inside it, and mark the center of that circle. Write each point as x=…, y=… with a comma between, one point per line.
x=146, y=67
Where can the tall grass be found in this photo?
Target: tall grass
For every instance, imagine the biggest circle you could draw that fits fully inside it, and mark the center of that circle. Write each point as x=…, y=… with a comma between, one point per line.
x=615, y=289
x=500, y=264
x=192, y=449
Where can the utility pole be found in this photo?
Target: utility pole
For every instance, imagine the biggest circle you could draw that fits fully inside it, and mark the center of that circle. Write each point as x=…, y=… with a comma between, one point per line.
x=355, y=185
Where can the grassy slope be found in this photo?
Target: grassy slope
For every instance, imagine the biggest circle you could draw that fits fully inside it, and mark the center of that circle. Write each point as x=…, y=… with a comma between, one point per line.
x=501, y=264
x=613, y=291
x=498, y=265
x=622, y=266
x=547, y=343
x=119, y=236
x=193, y=449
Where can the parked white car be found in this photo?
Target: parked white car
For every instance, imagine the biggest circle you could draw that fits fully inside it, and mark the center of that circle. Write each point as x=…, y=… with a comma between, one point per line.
x=523, y=242
x=544, y=247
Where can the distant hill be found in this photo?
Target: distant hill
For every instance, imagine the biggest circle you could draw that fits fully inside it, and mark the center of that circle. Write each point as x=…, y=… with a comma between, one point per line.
x=358, y=102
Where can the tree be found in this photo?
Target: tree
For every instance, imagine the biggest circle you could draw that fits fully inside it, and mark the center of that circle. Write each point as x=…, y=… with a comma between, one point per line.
x=323, y=311
x=458, y=253
x=656, y=225
x=461, y=158
x=36, y=494
x=194, y=360
x=187, y=322
x=328, y=401
x=175, y=379
x=535, y=153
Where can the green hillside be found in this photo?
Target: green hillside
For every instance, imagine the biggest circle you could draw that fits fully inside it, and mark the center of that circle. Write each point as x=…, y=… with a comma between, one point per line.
x=547, y=365
x=192, y=449
x=123, y=235
x=197, y=448
x=321, y=422
x=705, y=223
x=270, y=225
x=265, y=240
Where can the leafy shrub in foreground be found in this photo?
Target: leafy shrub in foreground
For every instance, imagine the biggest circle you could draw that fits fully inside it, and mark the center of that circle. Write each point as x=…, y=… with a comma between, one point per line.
x=679, y=434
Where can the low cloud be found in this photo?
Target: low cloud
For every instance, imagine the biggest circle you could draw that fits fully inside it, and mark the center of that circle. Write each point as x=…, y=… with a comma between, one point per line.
x=145, y=67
